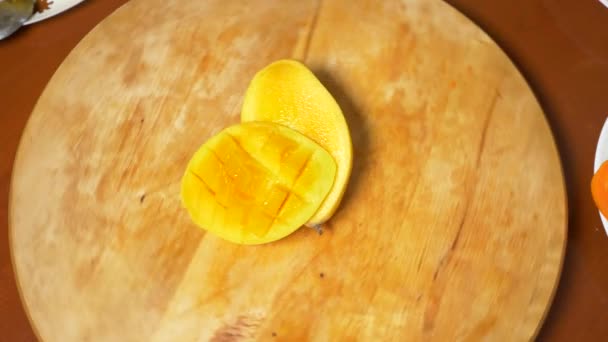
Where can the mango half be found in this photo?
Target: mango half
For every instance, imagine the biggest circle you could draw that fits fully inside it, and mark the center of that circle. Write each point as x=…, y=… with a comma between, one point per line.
x=256, y=182
x=288, y=93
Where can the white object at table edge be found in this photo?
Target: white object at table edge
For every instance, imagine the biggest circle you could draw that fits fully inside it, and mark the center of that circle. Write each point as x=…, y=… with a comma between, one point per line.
x=601, y=155
x=55, y=7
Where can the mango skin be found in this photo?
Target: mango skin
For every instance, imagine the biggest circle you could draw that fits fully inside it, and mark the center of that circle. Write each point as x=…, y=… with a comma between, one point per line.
x=256, y=182
x=288, y=93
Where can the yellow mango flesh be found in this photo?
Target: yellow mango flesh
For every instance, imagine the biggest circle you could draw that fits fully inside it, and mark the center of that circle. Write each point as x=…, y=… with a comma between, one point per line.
x=288, y=93
x=256, y=182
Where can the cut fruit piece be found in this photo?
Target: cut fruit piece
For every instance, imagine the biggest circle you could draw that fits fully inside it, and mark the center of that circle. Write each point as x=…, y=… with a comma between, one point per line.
x=236, y=186
x=288, y=93
x=599, y=188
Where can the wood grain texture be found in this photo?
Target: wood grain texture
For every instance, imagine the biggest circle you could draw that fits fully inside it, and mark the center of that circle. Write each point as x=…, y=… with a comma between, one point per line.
x=452, y=228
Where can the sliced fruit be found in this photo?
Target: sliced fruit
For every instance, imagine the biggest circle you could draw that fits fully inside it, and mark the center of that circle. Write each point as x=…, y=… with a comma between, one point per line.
x=288, y=93
x=599, y=188
x=256, y=182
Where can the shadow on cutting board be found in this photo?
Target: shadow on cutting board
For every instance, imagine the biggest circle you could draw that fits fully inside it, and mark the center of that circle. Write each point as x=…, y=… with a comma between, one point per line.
x=359, y=132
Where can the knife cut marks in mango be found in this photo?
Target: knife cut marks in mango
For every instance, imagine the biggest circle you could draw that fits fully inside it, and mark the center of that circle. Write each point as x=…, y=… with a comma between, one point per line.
x=288, y=93
x=256, y=182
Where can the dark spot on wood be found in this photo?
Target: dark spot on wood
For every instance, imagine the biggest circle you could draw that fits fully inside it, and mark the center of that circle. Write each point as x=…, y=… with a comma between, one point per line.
x=243, y=328
x=318, y=229
x=322, y=275
x=142, y=120
x=142, y=198
x=274, y=334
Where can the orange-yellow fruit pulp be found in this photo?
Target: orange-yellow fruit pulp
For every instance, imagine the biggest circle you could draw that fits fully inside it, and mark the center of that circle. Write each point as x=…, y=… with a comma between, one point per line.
x=599, y=189
x=256, y=182
x=288, y=93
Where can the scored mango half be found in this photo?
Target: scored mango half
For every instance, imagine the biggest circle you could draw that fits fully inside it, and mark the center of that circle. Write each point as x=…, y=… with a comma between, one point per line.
x=256, y=182
x=288, y=93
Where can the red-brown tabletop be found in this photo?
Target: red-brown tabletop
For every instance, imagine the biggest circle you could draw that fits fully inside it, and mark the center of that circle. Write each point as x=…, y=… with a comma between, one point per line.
x=559, y=46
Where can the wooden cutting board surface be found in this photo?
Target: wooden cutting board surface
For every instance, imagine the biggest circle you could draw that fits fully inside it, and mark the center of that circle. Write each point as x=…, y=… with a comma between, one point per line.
x=452, y=228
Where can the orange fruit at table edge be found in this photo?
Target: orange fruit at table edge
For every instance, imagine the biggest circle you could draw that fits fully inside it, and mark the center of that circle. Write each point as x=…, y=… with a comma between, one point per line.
x=599, y=188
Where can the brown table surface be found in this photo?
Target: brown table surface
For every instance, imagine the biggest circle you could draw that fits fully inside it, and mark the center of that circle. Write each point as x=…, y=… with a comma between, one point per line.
x=561, y=47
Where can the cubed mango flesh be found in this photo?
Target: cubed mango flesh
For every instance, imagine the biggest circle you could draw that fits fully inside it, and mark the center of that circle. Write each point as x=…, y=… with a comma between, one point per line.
x=256, y=182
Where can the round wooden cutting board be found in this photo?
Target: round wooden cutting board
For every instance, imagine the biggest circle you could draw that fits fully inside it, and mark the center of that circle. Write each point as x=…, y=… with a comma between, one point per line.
x=452, y=228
